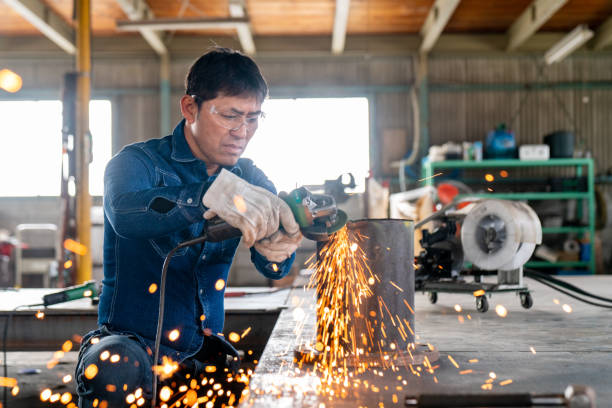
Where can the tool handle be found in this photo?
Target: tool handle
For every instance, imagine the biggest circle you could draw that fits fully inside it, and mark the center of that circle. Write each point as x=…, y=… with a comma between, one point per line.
x=218, y=230
x=469, y=400
x=87, y=289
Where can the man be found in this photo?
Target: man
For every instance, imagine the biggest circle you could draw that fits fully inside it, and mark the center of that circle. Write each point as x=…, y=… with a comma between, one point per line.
x=162, y=192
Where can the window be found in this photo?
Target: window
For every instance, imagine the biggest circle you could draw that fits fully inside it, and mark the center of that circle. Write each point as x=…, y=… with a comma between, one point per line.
x=307, y=141
x=31, y=143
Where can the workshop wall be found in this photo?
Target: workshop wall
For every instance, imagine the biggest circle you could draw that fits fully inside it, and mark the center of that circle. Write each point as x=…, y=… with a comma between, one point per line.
x=132, y=84
x=467, y=116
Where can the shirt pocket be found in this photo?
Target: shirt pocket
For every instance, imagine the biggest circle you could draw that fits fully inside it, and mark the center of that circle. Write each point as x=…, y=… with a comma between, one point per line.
x=163, y=245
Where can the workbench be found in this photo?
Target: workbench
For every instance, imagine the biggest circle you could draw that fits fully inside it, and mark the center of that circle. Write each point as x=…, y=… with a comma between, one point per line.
x=542, y=350
x=253, y=307
x=243, y=306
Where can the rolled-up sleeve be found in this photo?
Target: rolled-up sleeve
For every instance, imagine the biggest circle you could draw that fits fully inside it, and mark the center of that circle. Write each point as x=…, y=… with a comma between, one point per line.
x=138, y=209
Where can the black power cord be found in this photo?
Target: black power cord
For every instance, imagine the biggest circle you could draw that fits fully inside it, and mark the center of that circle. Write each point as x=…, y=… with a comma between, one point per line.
x=162, y=299
x=567, y=288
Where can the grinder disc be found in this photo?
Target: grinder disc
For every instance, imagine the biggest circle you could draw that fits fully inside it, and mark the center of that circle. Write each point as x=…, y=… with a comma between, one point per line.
x=319, y=231
x=341, y=220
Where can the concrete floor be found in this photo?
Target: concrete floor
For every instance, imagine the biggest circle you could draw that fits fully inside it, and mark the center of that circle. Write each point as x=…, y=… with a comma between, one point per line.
x=568, y=348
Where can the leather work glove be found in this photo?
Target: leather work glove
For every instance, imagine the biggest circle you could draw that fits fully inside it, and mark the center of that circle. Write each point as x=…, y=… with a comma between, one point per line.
x=255, y=211
x=279, y=246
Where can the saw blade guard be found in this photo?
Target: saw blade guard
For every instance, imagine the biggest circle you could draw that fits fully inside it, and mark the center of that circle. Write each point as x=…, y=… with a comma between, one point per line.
x=316, y=214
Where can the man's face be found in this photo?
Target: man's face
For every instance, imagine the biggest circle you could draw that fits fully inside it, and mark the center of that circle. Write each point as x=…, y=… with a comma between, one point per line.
x=220, y=131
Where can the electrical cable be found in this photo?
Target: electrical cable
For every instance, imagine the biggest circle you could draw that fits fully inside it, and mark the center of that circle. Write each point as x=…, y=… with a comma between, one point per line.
x=530, y=272
x=162, y=299
x=544, y=282
x=7, y=323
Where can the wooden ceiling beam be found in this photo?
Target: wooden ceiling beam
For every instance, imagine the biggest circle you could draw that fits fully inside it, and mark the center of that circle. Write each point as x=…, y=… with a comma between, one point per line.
x=237, y=9
x=434, y=24
x=530, y=21
x=603, y=38
x=139, y=9
x=46, y=21
x=340, y=23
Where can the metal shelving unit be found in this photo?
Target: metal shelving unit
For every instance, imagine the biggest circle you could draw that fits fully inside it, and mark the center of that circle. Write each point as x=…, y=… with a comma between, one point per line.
x=429, y=169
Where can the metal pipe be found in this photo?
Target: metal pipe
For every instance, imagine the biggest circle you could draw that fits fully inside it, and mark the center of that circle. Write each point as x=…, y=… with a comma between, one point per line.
x=83, y=139
x=388, y=245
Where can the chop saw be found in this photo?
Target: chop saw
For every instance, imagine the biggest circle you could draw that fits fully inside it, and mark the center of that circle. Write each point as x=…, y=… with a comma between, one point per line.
x=491, y=236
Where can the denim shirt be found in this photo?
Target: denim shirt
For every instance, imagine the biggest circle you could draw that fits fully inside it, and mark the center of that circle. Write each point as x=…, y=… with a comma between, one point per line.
x=152, y=202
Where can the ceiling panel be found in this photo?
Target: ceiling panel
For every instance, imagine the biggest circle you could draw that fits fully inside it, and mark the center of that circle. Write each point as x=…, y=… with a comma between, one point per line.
x=591, y=12
x=12, y=23
x=316, y=17
x=488, y=16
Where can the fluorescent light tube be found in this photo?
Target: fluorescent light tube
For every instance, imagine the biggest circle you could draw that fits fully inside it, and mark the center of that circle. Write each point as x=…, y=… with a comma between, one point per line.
x=568, y=44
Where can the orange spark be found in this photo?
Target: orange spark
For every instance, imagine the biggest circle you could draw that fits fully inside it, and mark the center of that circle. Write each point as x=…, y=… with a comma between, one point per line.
x=10, y=81
x=567, y=308
x=489, y=177
x=45, y=394
x=466, y=372
x=66, y=398
x=501, y=311
x=68, y=264
x=397, y=287
x=67, y=346
x=505, y=382
x=219, y=284
x=452, y=360
x=75, y=247
x=240, y=204
x=479, y=292
x=430, y=177
x=245, y=332
x=91, y=371
x=165, y=393
x=503, y=173
x=174, y=335
x=153, y=288
x=166, y=369
x=8, y=382
x=234, y=337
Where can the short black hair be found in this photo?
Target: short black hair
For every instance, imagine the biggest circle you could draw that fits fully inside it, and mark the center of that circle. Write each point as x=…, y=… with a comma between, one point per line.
x=226, y=71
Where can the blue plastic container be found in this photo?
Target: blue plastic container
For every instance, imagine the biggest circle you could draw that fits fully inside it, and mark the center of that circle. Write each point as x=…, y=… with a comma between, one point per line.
x=500, y=144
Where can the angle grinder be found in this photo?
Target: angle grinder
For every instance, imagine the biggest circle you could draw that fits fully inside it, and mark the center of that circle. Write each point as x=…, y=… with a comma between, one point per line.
x=317, y=215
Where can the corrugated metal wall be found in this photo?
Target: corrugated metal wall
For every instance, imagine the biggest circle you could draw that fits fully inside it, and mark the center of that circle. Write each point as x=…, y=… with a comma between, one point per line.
x=132, y=84
x=467, y=116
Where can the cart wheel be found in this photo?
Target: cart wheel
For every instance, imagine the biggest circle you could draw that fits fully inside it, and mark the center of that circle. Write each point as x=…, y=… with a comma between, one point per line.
x=482, y=304
x=433, y=297
x=526, y=300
